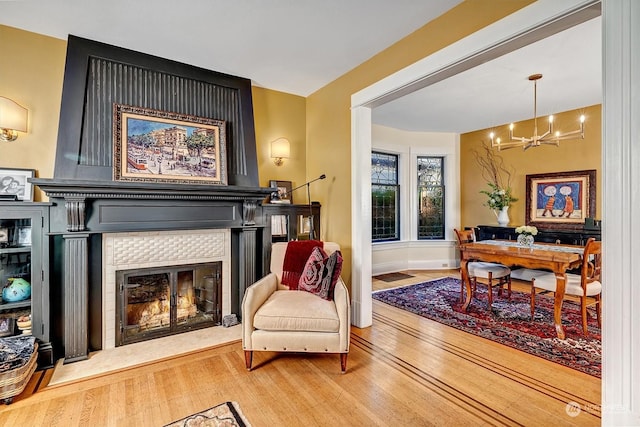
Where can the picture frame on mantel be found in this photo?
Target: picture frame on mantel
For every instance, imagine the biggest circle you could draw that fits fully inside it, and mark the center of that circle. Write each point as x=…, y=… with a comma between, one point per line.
x=161, y=146
x=282, y=193
x=561, y=200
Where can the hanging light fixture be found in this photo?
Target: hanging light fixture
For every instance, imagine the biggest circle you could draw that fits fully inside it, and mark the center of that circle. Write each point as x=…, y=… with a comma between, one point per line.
x=549, y=137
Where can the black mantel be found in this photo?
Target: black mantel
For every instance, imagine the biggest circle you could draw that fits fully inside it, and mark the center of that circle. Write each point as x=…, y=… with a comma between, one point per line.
x=82, y=210
x=235, y=205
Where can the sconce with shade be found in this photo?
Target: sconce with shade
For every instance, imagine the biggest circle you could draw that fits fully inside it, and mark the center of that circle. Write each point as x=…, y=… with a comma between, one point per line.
x=280, y=149
x=13, y=119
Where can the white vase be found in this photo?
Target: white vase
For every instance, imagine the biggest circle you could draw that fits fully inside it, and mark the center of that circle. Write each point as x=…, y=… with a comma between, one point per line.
x=503, y=216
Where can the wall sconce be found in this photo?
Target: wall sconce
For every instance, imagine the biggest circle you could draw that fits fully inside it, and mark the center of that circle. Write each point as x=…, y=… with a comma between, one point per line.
x=13, y=118
x=280, y=149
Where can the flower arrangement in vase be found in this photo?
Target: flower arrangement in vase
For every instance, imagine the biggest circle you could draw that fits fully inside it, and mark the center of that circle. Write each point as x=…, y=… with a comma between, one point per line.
x=498, y=178
x=525, y=234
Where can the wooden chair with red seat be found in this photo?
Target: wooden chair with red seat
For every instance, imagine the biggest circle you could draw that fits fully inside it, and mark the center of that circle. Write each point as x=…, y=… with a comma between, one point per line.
x=484, y=270
x=587, y=285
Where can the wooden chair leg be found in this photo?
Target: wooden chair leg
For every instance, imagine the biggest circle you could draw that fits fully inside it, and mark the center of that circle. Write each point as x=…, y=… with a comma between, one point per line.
x=490, y=292
x=583, y=308
x=248, y=358
x=509, y=287
x=343, y=362
x=533, y=298
x=598, y=313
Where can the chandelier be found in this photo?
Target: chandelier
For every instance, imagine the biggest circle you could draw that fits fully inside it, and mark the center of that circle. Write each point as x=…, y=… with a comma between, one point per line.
x=549, y=137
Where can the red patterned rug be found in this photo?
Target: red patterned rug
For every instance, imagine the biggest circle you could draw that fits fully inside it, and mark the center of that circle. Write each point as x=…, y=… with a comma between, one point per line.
x=508, y=322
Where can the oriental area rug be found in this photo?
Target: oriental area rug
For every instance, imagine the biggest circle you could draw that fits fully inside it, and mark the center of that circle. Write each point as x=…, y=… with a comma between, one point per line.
x=508, y=322
x=226, y=414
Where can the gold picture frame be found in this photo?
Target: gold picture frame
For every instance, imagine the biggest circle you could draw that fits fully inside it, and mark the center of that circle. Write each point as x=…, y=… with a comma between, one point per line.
x=160, y=146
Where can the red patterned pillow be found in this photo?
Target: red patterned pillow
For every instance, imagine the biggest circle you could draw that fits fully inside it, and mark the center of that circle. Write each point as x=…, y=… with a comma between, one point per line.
x=321, y=273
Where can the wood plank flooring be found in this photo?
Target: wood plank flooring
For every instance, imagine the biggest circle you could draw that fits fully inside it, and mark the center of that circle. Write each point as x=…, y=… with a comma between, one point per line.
x=403, y=371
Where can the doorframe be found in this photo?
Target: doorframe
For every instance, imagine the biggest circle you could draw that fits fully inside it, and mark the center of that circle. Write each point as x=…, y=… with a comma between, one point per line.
x=621, y=32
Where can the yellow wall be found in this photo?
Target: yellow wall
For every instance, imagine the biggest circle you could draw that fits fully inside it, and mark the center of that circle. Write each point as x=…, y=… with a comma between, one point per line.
x=278, y=114
x=329, y=116
x=31, y=74
x=569, y=156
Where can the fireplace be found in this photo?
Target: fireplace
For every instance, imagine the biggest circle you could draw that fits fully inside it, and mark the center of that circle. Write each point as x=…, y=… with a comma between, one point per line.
x=155, y=302
x=95, y=216
x=163, y=283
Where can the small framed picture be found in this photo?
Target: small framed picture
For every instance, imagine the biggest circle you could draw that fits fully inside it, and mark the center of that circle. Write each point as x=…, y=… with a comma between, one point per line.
x=7, y=326
x=14, y=184
x=24, y=236
x=282, y=192
x=304, y=224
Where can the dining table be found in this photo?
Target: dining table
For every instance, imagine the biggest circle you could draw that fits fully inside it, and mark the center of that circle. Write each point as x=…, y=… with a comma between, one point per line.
x=556, y=258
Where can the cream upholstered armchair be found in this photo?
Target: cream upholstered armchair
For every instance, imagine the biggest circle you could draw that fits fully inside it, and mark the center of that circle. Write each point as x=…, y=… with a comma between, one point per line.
x=277, y=319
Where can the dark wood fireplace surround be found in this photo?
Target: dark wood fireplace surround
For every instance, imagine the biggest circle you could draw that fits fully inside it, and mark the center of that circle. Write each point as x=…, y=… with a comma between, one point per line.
x=87, y=201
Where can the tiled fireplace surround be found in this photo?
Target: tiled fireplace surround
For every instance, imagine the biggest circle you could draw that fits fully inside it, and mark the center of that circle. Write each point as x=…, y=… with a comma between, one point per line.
x=126, y=251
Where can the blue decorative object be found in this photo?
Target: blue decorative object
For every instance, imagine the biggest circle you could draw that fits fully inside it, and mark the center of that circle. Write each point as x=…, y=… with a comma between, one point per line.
x=16, y=289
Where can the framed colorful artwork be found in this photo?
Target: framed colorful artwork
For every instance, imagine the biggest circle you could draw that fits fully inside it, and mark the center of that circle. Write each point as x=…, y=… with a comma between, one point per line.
x=561, y=199
x=160, y=146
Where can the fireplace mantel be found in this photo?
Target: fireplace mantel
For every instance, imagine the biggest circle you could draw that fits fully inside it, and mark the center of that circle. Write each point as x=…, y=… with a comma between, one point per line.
x=145, y=190
x=82, y=211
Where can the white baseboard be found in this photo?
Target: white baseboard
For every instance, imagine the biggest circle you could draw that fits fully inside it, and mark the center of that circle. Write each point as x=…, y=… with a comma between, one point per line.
x=392, y=267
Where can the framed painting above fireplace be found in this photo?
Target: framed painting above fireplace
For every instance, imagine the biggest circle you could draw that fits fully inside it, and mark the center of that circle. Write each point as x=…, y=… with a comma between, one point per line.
x=160, y=146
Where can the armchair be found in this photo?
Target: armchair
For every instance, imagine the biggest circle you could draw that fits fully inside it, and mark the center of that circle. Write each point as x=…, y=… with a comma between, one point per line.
x=277, y=319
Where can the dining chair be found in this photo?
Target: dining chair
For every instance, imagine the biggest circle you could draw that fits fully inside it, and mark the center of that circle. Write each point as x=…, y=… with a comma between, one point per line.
x=484, y=270
x=587, y=285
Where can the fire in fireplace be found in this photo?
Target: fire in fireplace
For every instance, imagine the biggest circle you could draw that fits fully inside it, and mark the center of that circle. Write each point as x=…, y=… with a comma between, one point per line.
x=156, y=302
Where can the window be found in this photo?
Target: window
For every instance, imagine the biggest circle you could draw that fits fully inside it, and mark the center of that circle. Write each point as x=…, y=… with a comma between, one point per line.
x=385, y=195
x=430, y=198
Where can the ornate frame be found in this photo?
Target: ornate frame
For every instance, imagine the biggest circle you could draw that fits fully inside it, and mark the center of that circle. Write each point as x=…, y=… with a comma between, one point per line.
x=191, y=149
x=578, y=201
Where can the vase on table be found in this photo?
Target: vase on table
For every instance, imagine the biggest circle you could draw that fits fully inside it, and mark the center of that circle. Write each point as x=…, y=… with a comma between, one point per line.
x=503, y=216
x=525, y=240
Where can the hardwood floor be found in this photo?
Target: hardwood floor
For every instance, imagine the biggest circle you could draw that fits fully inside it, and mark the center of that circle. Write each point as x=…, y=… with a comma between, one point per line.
x=403, y=371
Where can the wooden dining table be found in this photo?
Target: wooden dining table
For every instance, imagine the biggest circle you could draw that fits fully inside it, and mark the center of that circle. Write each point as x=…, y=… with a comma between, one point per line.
x=544, y=256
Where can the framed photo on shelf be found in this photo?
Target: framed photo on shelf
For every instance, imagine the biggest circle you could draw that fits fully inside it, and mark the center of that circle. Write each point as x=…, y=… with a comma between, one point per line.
x=282, y=192
x=24, y=236
x=7, y=326
x=561, y=199
x=160, y=146
x=14, y=184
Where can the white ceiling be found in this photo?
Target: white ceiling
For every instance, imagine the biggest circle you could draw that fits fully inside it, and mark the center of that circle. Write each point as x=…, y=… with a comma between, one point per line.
x=293, y=46
x=499, y=92
x=299, y=46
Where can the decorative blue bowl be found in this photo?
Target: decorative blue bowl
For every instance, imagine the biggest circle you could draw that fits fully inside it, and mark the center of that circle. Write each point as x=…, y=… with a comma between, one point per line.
x=15, y=290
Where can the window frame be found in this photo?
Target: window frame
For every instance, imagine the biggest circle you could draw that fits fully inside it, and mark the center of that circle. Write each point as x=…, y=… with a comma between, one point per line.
x=399, y=198
x=442, y=185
